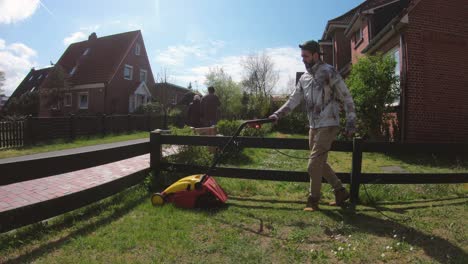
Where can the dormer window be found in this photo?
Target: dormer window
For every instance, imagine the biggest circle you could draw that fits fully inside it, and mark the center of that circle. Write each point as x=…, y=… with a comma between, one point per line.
x=137, y=49
x=143, y=74
x=128, y=72
x=32, y=77
x=73, y=71
x=40, y=76
x=358, y=35
x=86, y=52
x=34, y=88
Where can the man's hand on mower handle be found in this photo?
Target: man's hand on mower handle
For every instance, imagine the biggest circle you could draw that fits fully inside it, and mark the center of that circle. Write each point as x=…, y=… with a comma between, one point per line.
x=274, y=117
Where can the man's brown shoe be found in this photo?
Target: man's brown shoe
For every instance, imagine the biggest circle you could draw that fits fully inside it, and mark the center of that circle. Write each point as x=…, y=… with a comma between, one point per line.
x=312, y=204
x=341, y=195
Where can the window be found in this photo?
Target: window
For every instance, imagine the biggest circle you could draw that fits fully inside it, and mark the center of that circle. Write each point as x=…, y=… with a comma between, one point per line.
x=73, y=70
x=32, y=77
x=358, y=35
x=40, y=76
x=143, y=74
x=67, y=99
x=137, y=49
x=395, y=53
x=83, y=100
x=34, y=88
x=86, y=52
x=128, y=72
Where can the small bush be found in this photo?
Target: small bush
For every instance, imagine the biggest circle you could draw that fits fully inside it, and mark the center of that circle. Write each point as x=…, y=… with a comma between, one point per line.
x=229, y=127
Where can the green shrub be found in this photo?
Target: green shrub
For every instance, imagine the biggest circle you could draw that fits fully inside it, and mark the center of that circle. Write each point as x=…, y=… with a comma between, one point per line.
x=194, y=155
x=229, y=127
x=294, y=123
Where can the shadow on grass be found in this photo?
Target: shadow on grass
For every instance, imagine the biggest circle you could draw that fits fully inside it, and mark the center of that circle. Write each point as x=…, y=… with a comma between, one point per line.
x=31, y=233
x=434, y=247
x=444, y=161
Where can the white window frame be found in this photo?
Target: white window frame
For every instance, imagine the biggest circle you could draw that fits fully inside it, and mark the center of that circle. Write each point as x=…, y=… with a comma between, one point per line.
x=393, y=52
x=137, y=49
x=65, y=99
x=73, y=70
x=40, y=76
x=146, y=75
x=358, y=33
x=130, y=67
x=79, y=100
x=32, y=89
x=30, y=78
x=86, y=51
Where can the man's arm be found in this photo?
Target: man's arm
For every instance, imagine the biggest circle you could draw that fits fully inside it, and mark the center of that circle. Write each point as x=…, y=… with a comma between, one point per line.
x=293, y=101
x=344, y=95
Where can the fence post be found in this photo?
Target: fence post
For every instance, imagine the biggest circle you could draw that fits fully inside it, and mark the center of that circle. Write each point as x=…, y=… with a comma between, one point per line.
x=148, y=121
x=103, y=124
x=72, y=126
x=356, y=170
x=128, y=123
x=155, y=154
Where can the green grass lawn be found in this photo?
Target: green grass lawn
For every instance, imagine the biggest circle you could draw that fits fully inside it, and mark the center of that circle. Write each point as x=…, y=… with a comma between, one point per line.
x=64, y=144
x=263, y=222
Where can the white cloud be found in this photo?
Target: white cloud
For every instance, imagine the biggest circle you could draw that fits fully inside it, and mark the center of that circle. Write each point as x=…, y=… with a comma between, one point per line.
x=75, y=37
x=287, y=62
x=15, y=61
x=12, y=11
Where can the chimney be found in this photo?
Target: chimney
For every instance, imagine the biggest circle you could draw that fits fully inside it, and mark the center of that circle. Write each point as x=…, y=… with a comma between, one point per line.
x=93, y=36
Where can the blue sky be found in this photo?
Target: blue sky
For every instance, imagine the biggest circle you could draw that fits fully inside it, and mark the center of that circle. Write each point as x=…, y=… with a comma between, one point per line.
x=183, y=38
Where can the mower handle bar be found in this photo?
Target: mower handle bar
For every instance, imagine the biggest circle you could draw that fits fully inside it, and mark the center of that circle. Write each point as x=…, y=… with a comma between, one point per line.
x=245, y=123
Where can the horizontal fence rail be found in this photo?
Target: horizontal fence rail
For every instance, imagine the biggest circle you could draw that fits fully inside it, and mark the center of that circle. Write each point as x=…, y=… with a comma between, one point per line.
x=355, y=177
x=33, y=213
x=34, y=166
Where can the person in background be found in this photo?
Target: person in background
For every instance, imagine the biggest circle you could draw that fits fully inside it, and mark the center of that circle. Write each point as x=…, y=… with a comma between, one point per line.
x=209, y=105
x=194, y=112
x=322, y=89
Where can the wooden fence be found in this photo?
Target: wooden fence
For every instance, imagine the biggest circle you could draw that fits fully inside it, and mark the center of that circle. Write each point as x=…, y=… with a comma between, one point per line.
x=11, y=134
x=354, y=178
x=39, y=129
x=23, y=169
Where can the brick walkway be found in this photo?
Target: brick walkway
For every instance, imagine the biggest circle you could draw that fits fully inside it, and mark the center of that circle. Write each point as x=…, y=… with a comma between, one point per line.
x=34, y=191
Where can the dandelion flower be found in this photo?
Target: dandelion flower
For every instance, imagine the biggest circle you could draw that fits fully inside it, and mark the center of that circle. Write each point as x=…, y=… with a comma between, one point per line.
x=411, y=248
x=394, y=236
x=383, y=255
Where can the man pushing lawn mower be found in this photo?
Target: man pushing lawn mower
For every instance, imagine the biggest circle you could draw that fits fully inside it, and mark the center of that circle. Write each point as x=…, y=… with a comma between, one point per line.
x=322, y=89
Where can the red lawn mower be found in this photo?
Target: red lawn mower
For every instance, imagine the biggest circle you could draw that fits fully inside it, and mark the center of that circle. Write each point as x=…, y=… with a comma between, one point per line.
x=201, y=190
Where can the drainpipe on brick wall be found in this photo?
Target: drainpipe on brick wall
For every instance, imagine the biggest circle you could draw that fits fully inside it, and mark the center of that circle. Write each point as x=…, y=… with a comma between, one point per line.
x=404, y=81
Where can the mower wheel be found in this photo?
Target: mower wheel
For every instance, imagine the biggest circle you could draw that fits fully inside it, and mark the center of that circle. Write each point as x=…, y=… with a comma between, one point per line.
x=157, y=199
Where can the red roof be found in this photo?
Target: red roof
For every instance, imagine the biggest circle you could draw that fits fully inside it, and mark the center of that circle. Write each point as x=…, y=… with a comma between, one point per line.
x=101, y=61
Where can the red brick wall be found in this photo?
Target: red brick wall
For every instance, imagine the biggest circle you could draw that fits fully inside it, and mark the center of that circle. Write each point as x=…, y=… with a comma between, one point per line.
x=356, y=48
x=436, y=92
x=119, y=89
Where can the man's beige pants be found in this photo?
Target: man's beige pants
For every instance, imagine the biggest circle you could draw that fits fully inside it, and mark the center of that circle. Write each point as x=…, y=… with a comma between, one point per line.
x=320, y=141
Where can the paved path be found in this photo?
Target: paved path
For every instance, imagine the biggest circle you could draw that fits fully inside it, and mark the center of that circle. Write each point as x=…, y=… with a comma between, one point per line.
x=29, y=192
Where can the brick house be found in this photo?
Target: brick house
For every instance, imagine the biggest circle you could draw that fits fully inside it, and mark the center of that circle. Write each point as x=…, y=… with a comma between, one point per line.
x=106, y=75
x=429, y=40
x=170, y=94
x=31, y=83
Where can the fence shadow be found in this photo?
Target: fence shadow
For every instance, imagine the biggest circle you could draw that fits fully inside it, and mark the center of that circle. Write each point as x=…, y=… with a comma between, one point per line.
x=89, y=213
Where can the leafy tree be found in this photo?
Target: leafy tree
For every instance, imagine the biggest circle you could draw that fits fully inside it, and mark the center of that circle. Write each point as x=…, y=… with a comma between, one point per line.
x=374, y=86
x=260, y=77
x=54, y=87
x=228, y=91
